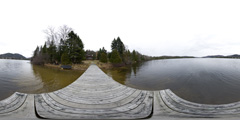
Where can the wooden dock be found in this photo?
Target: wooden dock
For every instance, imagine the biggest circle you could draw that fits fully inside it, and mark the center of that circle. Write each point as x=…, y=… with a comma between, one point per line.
x=95, y=95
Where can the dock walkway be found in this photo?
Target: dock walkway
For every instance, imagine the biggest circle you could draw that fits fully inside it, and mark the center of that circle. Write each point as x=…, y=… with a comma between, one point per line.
x=95, y=95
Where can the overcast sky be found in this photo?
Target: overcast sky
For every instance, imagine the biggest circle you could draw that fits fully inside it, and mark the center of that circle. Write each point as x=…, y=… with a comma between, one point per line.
x=152, y=27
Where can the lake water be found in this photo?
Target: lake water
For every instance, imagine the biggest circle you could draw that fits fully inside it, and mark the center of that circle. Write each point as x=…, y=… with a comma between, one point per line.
x=201, y=80
x=21, y=76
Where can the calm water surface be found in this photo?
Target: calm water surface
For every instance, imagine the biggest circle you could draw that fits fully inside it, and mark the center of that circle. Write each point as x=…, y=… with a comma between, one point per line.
x=21, y=76
x=201, y=80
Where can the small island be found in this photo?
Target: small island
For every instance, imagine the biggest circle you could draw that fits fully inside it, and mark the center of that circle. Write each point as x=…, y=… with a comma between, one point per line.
x=69, y=52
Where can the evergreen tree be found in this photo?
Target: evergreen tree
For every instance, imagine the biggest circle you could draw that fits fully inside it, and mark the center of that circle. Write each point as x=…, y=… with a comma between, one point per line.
x=114, y=44
x=37, y=58
x=118, y=45
x=103, y=58
x=127, y=57
x=52, y=52
x=99, y=54
x=36, y=51
x=115, y=57
x=65, y=59
x=101, y=50
x=109, y=55
x=104, y=51
x=134, y=56
x=75, y=48
x=63, y=41
x=44, y=49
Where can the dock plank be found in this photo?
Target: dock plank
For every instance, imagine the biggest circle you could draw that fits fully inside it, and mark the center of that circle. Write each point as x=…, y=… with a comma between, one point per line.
x=95, y=95
x=183, y=108
x=18, y=105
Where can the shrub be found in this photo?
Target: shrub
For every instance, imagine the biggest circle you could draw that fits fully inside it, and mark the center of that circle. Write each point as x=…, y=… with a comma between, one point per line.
x=65, y=59
x=103, y=58
x=115, y=57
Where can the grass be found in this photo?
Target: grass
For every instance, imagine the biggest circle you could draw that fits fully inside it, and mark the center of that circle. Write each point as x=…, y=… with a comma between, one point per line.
x=84, y=65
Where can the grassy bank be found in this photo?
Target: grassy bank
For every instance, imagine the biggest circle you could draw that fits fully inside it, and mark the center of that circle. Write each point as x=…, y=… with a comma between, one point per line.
x=84, y=65
x=104, y=65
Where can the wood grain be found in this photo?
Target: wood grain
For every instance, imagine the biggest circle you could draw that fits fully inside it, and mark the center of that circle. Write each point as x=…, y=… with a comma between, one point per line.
x=95, y=96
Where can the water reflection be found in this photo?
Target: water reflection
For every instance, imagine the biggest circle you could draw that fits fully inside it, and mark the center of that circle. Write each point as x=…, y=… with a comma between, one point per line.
x=21, y=76
x=52, y=79
x=209, y=81
x=119, y=74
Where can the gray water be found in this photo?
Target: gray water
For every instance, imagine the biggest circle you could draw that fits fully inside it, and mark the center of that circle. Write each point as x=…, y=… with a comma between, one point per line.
x=201, y=80
x=22, y=76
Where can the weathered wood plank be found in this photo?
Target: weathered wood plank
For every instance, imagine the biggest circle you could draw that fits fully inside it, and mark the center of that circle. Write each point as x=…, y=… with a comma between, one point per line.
x=95, y=96
x=200, y=106
x=19, y=105
x=181, y=107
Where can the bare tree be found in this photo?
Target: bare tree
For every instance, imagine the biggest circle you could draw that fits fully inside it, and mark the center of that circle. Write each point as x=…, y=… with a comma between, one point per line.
x=51, y=35
x=56, y=36
x=64, y=31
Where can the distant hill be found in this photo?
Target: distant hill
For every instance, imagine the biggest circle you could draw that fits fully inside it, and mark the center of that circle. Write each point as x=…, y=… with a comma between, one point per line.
x=221, y=56
x=172, y=57
x=12, y=56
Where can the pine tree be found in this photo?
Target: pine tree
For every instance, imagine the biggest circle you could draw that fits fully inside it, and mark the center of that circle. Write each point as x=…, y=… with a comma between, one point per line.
x=36, y=51
x=65, y=59
x=115, y=57
x=52, y=52
x=127, y=57
x=119, y=46
x=75, y=48
x=103, y=58
x=99, y=54
x=44, y=49
x=114, y=44
x=134, y=56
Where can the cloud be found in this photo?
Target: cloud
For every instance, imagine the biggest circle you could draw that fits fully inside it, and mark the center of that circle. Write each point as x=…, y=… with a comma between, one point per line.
x=153, y=27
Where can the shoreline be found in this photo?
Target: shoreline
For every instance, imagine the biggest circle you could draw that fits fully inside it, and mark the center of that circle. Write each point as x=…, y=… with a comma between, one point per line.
x=84, y=65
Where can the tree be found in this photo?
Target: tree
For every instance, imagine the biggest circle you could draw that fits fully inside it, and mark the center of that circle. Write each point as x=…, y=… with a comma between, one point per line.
x=64, y=31
x=109, y=55
x=58, y=42
x=36, y=51
x=115, y=57
x=44, y=49
x=99, y=53
x=62, y=36
x=65, y=59
x=118, y=45
x=103, y=58
x=127, y=57
x=51, y=35
x=38, y=58
x=134, y=56
x=75, y=48
x=52, y=52
x=114, y=44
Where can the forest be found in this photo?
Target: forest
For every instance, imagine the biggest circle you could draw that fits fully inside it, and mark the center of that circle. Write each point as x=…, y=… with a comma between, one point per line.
x=64, y=46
